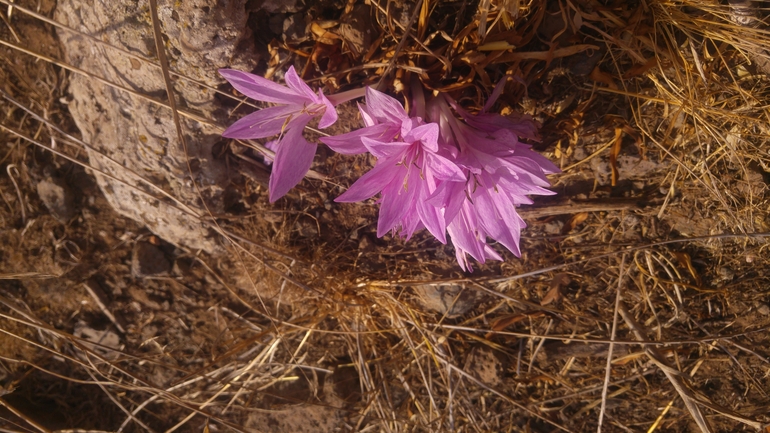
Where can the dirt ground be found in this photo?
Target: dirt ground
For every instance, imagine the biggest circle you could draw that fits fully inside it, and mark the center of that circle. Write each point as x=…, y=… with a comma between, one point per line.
x=656, y=113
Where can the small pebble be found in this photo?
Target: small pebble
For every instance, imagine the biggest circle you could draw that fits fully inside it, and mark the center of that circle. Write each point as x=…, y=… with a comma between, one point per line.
x=57, y=197
x=763, y=309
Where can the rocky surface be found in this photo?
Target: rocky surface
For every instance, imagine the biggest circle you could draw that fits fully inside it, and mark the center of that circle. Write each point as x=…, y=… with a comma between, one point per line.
x=132, y=136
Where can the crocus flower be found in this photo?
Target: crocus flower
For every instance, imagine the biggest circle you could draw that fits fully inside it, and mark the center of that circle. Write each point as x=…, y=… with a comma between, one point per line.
x=296, y=105
x=408, y=169
x=501, y=173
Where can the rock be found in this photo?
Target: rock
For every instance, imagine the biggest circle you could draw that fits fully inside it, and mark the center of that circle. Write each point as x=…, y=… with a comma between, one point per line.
x=744, y=13
x=451, y=300
x=485, y=365
x=98, y=341
x=148, y=260
x=132, y=136
x=278, y=6
x=57, y=197
x=725, y=273
x=357, y=29
x=294, y=29
x=763, y=309
x=365, y=245
x=276, y=23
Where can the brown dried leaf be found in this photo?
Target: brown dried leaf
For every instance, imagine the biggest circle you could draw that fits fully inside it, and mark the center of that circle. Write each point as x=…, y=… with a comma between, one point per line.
x=554, y=293
x=598, y=75
x=642, y=68
x=545, y=55
x=506, y=321
x=573, y=222
x=321, y=34
x=685, y=261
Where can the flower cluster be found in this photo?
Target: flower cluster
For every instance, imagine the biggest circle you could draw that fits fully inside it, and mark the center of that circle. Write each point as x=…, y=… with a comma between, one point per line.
x=439, y=167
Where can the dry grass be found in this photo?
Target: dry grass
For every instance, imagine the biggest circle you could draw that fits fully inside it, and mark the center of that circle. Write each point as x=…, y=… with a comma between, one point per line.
x=658, y=235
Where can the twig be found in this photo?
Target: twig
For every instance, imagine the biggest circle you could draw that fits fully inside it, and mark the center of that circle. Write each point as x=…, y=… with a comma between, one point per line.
x=21, y=415
x=27, y=275
x=608, y=368
x=97, y=294
x=570, y=206
x=18, y=191
x=10, y=27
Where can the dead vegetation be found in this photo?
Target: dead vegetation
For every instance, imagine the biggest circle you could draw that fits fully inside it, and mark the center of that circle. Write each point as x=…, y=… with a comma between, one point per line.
x=657, y=114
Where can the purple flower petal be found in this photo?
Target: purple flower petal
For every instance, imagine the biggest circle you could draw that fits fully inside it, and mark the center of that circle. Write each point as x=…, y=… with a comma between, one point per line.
x=465, y=235
x=444, y=169
x=351, y=144
x=298, y=85
x=499, y=219
x=260, y=124
x=433, y=218
x=398, y=200
x=427, y=134
x=381, y=149
x=272, y=145
x=292, y=162
x=330, y=114
x=384, y=108
x=366, y=116
x=259, y=88
x=370, y=183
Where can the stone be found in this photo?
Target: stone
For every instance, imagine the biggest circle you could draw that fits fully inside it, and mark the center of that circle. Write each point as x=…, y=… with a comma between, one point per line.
x=357, y=29
x=763, y=309
x=451, y=300
x=105, y=343
x=148, y=260
x=131, y=136
x=294, y=29
x=57, y=198
x=278, y=6
x=485, y=365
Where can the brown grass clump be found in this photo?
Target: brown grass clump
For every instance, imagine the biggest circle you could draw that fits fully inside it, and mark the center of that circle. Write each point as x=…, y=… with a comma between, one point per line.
x=640, y=302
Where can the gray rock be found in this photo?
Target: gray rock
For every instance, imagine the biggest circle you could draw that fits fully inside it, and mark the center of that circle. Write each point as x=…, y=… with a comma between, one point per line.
x=138, y=135
x=57, y=197
x=148, y=260
x=105, y=343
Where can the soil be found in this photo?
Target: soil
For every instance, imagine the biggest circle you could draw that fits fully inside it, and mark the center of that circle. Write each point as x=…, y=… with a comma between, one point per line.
x=301, y=320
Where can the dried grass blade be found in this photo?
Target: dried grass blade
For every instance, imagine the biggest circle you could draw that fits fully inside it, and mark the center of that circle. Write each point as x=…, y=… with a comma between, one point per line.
x=676, y=377
x=608, y=367
x=26, y=275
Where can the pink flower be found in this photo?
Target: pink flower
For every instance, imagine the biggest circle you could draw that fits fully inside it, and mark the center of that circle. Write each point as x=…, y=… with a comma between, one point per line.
x=408, y=169
x=297, y=105
x=501, y=174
